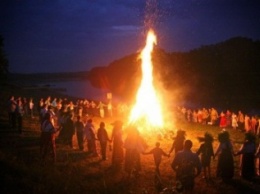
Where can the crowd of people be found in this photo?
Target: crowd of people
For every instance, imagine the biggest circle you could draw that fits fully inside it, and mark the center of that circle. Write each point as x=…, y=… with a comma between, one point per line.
x=224, y=119
x=65, y=118
x=186, y=161
x=21, y=107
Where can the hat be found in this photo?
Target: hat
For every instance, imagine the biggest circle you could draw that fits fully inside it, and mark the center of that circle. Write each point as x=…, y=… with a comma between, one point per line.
x=223, y=136
x=117, y=123
x=207, y=138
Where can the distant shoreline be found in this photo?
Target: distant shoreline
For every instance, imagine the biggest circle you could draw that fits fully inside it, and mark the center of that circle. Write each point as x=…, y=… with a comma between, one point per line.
x=42, y=84
x=71, y=85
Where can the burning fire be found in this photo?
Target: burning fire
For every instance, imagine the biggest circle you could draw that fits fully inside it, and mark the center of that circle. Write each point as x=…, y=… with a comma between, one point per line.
x=147, y=109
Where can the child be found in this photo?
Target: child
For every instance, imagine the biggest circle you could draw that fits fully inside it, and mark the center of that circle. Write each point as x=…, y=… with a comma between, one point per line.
x=157, y=155
x=206, y=151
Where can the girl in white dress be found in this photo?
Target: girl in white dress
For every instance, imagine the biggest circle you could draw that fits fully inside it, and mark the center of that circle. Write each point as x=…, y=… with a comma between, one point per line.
x=234, y=121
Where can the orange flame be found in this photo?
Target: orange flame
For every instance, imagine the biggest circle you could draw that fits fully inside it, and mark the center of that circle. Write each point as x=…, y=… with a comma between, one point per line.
x=147, y=108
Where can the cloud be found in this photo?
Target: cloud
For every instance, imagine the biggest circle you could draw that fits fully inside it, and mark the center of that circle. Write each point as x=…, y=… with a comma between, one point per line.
x=126, y=28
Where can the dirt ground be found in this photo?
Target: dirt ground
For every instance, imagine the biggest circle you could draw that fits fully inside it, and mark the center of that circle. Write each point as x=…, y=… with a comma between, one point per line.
x=78, y=172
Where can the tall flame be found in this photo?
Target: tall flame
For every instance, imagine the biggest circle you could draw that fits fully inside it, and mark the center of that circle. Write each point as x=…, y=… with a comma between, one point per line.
x=147, y=108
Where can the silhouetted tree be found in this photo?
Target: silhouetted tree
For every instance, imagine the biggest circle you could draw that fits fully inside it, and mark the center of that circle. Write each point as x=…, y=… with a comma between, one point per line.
x=221, y=75
x=3, y=60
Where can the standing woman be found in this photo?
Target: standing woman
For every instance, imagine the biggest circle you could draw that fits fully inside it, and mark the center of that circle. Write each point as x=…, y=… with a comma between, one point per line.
x=79, y=127
x=206, y=151
x=257, y=127
x=118, y=152
x=19, y=115
x=134, y=146
x=90, y=136
x=247, y=160
x=103, y=139
x=48, y=138
x=101, y=107
x=31, y=106
x=178, y=142
x=223, y=120
x=234, y=121
x=228, y=118
x=225, y=166
x=12, y=112
x=247, y=123
x=70, y=130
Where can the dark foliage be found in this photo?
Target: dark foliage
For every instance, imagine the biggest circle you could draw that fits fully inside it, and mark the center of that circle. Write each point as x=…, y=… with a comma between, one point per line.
x=3, y=60
x=221, y=75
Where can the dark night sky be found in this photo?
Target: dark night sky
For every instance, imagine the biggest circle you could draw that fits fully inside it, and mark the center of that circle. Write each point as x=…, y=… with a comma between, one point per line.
x=75, y=35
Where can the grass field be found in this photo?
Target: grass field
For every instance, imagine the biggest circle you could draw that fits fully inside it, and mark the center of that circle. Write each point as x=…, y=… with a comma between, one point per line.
x=77, y=172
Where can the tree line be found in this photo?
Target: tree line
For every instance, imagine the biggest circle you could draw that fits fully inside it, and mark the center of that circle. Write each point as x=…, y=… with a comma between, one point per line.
x=3, y=60
x=225, y=74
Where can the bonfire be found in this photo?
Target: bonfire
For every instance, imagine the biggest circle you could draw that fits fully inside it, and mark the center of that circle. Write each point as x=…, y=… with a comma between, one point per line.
x=147, y=111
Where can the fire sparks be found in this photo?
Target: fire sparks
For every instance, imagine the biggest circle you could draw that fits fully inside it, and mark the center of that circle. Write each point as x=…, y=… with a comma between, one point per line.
x=147, y=109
